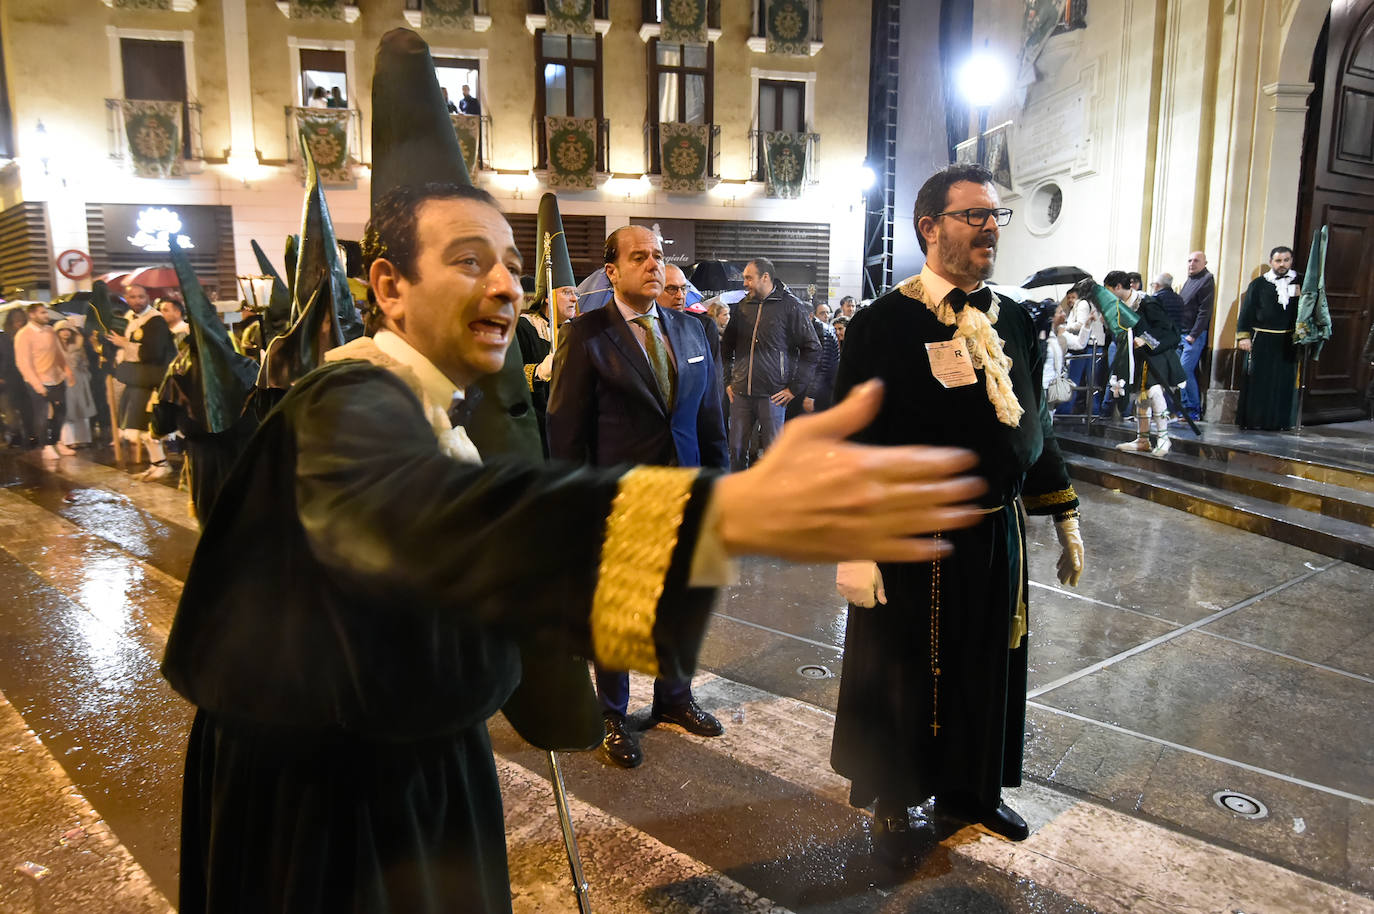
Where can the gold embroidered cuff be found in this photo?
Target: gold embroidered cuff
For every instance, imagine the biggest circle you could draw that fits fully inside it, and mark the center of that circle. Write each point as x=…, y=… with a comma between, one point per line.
x=641, y=533
x=1049, y=499
x=529, y=376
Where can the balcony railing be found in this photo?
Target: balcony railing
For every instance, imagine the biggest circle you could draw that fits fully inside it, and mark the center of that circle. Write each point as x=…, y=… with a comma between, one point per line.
x=812, y=163
x=653, y=12
x=336, y=156
x=116, y=129
x=482, y=158
x=653, y=151
x=541, y=145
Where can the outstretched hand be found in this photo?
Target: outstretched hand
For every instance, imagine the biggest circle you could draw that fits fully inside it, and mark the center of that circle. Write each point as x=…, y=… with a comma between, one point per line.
x=816, y=497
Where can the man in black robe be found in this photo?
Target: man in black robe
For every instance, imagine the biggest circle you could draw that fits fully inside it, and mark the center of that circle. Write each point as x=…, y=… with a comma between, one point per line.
x=1147, y=363
x=1264, y=330
x=339, y=759
x=932, y=698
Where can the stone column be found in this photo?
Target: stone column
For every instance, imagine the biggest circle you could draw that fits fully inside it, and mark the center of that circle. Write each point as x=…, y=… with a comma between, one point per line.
x=243, y=156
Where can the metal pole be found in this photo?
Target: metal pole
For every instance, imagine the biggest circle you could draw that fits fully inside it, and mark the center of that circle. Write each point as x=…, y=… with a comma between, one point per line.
x=560, y=793
x=551, y=302
x=982, y=131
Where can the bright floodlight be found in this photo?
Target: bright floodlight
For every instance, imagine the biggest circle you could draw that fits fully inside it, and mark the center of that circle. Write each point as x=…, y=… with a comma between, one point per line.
x=983, y=79
x=864, y=178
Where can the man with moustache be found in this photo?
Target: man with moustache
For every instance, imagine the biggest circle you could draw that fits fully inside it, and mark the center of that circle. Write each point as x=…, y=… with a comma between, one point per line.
x=146, y=348
x=339, y=759
x=932, y=695
x=1264, y=331
x=635, y=383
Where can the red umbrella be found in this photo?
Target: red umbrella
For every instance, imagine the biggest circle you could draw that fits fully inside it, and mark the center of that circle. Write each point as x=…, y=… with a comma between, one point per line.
x=159, y=277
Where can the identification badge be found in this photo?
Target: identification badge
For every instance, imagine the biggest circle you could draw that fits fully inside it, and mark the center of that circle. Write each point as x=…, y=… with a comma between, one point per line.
x=949, y=363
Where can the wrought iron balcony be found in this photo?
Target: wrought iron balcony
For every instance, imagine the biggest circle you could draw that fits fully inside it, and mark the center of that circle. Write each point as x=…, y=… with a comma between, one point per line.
x=811, y=159
x=153, y=135
x=335, y=138
x=539, y=138
x=653, y=149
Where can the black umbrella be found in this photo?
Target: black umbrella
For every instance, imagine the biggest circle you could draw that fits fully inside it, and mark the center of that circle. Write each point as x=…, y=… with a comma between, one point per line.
x=1055, y=276
x=716, y=276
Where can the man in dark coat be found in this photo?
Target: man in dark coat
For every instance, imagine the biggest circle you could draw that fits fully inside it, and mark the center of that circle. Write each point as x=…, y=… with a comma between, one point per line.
x=1198, y=294
x=635, y=383
x=932, y=697
x=1264, y=331
x=339, y=759
x=1146, y=369
x=146, y=348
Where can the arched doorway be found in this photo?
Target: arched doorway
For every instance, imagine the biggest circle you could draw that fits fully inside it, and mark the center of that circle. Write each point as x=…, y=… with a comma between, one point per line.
x=1337, y=190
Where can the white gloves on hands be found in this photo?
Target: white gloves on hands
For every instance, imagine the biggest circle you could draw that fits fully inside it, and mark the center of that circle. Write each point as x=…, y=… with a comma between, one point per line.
x=1071, y=554
x=544, y=370
x=861, y=583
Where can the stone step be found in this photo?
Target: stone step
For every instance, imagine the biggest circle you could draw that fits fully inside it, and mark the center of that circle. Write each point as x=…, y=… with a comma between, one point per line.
x=1341, y=502
x=1335, y=460
x=1341, y=539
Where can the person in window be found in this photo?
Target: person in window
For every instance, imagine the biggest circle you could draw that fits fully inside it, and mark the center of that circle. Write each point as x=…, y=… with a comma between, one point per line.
x=317, y=98
x=469, y=104
x=448, y=103
x=336, y=99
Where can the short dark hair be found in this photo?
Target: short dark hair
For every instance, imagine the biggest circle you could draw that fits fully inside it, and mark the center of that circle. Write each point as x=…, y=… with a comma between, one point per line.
x=1136, y=278
x=34, y=304
x=611, y=252
x=763, y=265
x=391, y=232
x=1281, y=249
x=175, y=304
x=934, y=194
x=848, y=298
x=1116, y=279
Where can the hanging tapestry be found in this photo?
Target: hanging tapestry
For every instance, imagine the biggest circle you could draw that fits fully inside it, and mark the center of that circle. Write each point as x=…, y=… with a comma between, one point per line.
x=160, y=5
x=572, y=152
x=570, y=17
x=332, y=10
x=997, y=155
x=446, y=14
x=325, y=131
x=153, y=130
x=468, y=129
x=785, y=157
x=684, y=22
x=788, y=29
x=685, y=150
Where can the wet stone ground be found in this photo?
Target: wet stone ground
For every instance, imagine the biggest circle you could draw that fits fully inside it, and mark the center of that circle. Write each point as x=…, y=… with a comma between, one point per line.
x=1193, y=658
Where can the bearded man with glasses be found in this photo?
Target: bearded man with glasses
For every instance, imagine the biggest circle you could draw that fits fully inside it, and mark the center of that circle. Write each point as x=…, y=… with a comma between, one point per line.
x=932, y=697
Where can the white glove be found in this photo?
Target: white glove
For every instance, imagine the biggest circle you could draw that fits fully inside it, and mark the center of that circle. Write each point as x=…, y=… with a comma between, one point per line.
x=1071, y=554
x=861, y=583
x=544, y=370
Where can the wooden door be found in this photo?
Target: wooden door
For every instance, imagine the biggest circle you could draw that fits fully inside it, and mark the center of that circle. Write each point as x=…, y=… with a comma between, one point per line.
x=1338, y=191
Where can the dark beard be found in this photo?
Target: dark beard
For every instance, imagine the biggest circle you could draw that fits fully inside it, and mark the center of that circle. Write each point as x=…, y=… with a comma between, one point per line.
x=959, y=260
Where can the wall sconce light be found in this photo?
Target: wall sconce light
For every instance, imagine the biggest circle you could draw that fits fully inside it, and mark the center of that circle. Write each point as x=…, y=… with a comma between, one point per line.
x=42, y=146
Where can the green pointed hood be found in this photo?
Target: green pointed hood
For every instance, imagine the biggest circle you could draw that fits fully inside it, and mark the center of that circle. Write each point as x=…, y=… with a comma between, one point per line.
x=276, y=320
x=102, y=309
x=226, y=376
x=550, y=242
x=413, y=141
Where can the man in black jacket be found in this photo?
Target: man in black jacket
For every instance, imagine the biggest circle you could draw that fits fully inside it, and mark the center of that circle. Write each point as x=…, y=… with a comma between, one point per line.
x=822, y=391
x=1146, y=364
x=1197, y=293
x=770, y=353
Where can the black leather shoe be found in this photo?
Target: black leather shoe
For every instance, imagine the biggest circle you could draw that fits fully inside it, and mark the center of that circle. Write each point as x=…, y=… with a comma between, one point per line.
x=1003, y=820
x=689, y=717
x=895, y=842
x=620, y=746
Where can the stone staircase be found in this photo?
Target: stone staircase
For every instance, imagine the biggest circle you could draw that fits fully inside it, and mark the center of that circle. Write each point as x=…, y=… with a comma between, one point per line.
x=1313, y=489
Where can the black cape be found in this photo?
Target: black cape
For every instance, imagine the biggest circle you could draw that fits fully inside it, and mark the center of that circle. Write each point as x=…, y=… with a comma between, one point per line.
x=1269, y=390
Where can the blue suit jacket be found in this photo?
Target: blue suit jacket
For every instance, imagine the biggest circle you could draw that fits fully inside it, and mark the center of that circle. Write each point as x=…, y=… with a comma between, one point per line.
x=605, y=407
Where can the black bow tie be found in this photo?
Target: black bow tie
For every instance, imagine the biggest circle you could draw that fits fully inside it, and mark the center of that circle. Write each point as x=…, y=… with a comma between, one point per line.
x=980, y=298
x=462, y=408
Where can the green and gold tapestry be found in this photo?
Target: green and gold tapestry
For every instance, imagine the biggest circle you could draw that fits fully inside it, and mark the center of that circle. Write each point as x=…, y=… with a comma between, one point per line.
x=331, y=10
x=468, y=129
x=158, y=5
x=572, y=152
x=785, y=160
x=685, y=150
x=570, y=17
x=325, y=132
x=788, y=28
x=153, y=129
x=446, y=14
x=684, y=21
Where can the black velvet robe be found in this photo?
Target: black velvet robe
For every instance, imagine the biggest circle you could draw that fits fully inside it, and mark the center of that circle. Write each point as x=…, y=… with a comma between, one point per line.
x=885, y=741
x=1150, y=365
x=348, y=624
x=1269, y=390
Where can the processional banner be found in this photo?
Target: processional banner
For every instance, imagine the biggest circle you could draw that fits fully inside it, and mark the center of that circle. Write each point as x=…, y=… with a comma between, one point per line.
x=572, y=152
x=685, y=155
x=468, y=128
x=785, y=160
x=325, y=131
x=684, y=22
x=788, y=28
x=330, y=10
x=153, y=130
x=447, y=14
x=570, y=17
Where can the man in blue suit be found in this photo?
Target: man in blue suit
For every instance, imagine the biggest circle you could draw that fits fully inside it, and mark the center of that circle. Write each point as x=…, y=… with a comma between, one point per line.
x=635, y=383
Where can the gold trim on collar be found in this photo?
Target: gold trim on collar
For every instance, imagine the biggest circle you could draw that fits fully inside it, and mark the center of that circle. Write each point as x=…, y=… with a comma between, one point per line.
x=641, y=533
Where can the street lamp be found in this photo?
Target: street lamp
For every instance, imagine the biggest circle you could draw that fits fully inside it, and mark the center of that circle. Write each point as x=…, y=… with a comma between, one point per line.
x=983, y=80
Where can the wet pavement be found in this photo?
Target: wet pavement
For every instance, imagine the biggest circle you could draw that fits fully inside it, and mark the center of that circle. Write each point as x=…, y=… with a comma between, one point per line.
x=1194, y=658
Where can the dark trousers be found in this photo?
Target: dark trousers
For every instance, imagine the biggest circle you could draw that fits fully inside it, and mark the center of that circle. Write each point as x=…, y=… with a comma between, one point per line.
x=614, y=691
x=54, y=397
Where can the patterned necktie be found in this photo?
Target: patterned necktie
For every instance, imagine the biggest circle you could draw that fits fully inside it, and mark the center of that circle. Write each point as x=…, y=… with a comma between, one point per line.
x=658, y=359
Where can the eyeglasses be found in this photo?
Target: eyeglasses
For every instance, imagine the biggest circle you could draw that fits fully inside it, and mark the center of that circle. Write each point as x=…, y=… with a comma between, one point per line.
x=675, y=290
x=978, y=216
